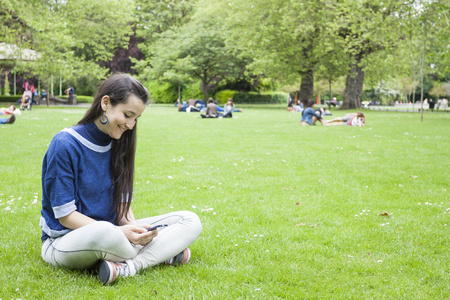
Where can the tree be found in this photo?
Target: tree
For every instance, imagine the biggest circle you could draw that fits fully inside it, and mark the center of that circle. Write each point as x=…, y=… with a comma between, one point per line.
x=285, y=39
x=70, y=36
x=438, y=90
x=365, y=27
x=197, y=50
x=431, y=27
x=332, y=66
x=125, y=57
x=153, y=20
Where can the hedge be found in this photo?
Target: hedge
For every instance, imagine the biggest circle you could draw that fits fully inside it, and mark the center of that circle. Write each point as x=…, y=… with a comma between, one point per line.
x=222, y=96
x=251, y=97
x=85, y=99
x=10, y=99
x=166, y=92
x=13, y=99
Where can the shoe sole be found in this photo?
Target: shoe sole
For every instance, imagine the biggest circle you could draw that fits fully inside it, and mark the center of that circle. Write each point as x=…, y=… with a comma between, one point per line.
x=186, y=256
x=104, y=273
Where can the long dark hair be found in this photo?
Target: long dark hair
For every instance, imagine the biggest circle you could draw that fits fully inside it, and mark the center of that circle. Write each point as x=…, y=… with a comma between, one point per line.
x=309, y=103
x=119, y=87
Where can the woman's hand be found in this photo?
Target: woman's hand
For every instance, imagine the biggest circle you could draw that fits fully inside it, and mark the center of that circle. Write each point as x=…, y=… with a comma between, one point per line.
x=138, y=234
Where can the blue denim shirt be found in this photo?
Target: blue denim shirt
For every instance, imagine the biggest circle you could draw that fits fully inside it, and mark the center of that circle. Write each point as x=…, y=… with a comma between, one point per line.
x=308, y=115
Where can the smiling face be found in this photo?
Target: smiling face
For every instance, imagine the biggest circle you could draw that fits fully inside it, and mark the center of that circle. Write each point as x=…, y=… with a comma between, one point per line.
x=121, y=117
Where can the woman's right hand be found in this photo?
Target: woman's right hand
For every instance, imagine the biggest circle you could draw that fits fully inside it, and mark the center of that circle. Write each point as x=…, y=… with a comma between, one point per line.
x=138, y=234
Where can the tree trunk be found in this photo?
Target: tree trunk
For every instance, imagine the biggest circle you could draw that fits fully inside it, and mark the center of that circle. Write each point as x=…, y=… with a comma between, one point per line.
x=307, y=85
x=353, y=87
x=204, y=87
x=331, y=94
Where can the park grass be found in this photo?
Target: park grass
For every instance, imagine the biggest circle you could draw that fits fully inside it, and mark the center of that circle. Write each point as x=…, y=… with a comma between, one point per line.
x=288, y=212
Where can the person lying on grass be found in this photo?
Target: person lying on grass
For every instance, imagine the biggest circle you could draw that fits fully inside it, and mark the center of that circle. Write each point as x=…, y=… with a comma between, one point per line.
x=350, y=119
x=87, y=183
x=10, y=120
x=10, y=110
x=309, y=116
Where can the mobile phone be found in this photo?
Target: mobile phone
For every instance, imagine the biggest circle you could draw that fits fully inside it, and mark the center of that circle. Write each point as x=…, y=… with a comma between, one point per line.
x=157, y=226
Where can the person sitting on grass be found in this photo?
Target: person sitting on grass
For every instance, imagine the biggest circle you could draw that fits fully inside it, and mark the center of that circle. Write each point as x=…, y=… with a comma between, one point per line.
x=211, y=110
x=221, y=109
x=228, y=109
x=87, y=190
x=324, y=111
x=309, y=116
x=298, y=106
x=10, y=120
x=350, y=119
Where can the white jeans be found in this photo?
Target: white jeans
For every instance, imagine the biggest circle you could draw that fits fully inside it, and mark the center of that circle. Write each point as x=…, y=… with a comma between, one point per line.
x=84, y=247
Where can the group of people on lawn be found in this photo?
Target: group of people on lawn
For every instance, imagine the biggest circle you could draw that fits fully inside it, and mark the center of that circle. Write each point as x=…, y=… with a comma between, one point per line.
x=311, y=116
x=27, y=99
x=26, y=102
x=210, y=110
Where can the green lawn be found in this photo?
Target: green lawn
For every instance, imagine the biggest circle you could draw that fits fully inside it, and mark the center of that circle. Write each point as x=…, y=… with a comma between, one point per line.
x=288, y=212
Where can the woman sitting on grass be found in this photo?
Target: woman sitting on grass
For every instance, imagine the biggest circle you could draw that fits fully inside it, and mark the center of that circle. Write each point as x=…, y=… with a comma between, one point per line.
x=228, y=109
x=309, y=116
x=350, y=119
x=87, y=183
x=222, y=109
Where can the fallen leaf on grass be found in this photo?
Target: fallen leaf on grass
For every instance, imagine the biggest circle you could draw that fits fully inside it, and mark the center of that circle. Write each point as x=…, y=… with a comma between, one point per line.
x=298, y=203
x=301, y=224
x=413, y=176
x=314, y=226
x=385, y=214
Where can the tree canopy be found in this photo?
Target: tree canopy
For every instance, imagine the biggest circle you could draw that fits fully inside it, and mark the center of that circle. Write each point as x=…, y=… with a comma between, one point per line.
x=359, y=43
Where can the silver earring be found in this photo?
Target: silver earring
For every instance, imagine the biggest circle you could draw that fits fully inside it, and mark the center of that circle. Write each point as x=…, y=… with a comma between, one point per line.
x=104, y=119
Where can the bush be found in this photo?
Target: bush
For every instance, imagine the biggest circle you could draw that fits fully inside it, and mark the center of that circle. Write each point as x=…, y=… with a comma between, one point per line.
x=255, y=98
x=223, y=96
x=161, y=92
x=6, y=90
x=13, y=99
x=166, y=92
x=10, y=99
x=85, y=99
x=83, y=85
x=251, y=97
x=189, y=91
